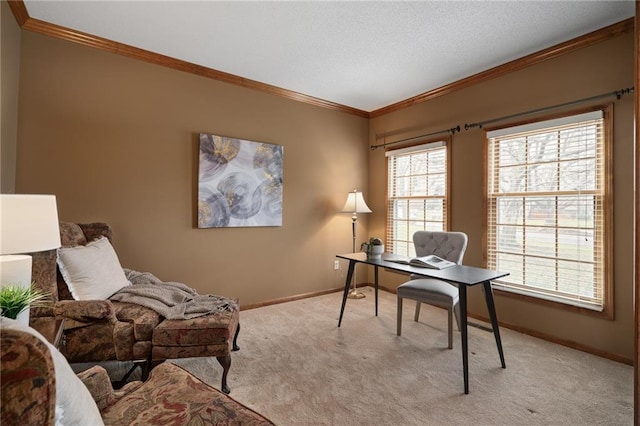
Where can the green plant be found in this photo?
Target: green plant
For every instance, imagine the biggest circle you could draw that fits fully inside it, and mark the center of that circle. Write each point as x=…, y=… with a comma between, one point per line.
x=14, y=299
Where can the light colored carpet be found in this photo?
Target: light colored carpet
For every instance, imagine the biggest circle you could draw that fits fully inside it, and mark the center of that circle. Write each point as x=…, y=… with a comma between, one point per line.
x=298, y=368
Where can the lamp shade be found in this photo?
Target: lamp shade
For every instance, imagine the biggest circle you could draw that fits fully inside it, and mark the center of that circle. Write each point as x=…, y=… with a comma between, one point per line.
x=355, y=203
x=28, y=223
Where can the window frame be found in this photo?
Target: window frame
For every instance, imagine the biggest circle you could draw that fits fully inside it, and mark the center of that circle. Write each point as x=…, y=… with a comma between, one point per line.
x=446, y=144
x=607, y=311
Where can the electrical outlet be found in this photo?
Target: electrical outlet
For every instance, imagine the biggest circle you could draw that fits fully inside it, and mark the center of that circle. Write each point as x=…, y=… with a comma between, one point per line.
x=336, y=265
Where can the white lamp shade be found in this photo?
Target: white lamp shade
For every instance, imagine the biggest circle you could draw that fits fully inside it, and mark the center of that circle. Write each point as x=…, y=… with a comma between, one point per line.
x=28, y=223
x=15, y=269
x=355, y=203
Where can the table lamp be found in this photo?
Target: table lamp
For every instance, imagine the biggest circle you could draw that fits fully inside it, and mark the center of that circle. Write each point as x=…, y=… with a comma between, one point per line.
x=28, y=224
x=355, y=204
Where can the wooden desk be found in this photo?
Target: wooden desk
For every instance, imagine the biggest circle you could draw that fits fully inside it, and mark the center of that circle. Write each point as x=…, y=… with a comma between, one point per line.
x=463, y=276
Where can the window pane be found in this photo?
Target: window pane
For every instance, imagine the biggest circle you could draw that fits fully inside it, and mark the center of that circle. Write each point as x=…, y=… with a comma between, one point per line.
x=434, y=210
x=403, y=186
x=574, y=244
x=436, y=184
x=418, y=185
x=402, y=247
x=514, y=265
x=510, y=239
x=578, y=143
x=418, y=163
x=512, y=152
x=579, y=175
x=512, y=179
x=401, y=209
x=540, y=273
x=540, y=211
x=542, y=178
x=509, y=210
x=417, y=210
x=403, y=166
x=434, y=227
x=576, y=278
x=539, y=241
x=576, y=211
x=437, y=162
x=543, y=148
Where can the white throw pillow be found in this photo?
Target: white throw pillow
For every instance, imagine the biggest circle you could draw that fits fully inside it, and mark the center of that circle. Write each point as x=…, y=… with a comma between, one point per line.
x=92, y=272
x=74, y=403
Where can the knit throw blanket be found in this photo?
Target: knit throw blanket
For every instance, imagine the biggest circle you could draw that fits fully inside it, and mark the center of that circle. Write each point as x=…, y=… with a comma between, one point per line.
x=170, y=299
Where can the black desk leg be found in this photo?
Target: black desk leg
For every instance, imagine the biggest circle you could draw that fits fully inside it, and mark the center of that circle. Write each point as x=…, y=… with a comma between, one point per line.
x=352, y=265
x=491, y=306
x=376, y=288
x=462, y=291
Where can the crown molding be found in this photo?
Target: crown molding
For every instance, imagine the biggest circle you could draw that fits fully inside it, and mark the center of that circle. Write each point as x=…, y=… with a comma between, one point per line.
x=589, y=39
x=19, y=11
x=30, y=24
x=35, y=25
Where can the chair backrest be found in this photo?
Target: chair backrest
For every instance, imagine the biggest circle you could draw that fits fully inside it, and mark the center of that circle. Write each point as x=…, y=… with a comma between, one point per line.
x=447, y=245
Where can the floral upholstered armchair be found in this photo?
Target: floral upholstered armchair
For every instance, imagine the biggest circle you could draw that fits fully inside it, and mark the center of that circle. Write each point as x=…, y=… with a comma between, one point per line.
x=105, y=330
x=95, y=330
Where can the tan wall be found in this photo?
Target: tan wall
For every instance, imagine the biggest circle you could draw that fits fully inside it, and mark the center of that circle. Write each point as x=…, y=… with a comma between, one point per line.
x=591, y=71
x=115, y=140
x=9, y=77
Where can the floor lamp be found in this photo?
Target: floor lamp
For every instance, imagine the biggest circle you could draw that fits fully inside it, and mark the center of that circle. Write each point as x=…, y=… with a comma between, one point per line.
x=355, y=204
x=28, y=224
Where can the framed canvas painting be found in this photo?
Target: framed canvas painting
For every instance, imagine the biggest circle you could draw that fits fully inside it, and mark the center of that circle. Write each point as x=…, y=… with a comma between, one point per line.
x=239, y=183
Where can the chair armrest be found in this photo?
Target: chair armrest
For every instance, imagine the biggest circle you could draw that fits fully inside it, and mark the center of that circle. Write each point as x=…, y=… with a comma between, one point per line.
x=85, y=310
x=98, y=382
x=41, y=311
x=28, y=380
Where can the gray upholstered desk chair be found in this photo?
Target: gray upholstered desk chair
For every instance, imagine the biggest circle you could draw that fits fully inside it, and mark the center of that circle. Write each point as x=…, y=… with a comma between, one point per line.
x=447, y=245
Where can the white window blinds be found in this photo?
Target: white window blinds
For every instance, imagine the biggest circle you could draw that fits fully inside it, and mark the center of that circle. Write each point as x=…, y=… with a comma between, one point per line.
x=416, y=194
x=546, y=209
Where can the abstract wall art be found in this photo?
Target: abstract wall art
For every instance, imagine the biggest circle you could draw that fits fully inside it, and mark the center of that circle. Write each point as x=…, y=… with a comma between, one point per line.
x=239, y=183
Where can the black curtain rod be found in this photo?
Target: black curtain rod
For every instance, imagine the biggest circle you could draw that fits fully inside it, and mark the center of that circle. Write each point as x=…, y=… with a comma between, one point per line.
x=618, y=94
x=452, y=131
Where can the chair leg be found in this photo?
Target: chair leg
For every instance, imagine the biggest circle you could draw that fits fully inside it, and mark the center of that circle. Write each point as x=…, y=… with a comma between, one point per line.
x=450, y=326
x=235, y=339
x=456, y=310
x=225, y=362
x=399, y=319
x=416, y=316
x=145, y=369
x=117, y=384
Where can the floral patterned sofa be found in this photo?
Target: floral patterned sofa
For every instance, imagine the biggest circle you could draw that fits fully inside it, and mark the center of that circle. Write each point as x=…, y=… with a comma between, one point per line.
x=39, y=388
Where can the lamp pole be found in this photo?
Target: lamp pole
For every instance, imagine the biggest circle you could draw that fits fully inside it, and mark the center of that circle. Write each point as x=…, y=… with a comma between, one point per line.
x=354, y=293
x=355, y=204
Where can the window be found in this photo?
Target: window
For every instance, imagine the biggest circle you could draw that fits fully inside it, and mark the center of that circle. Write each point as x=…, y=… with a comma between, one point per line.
x=417, y=194
x=547, y=209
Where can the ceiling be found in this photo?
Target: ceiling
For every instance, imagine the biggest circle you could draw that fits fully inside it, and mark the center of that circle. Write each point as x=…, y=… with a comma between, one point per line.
x=362, y=54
